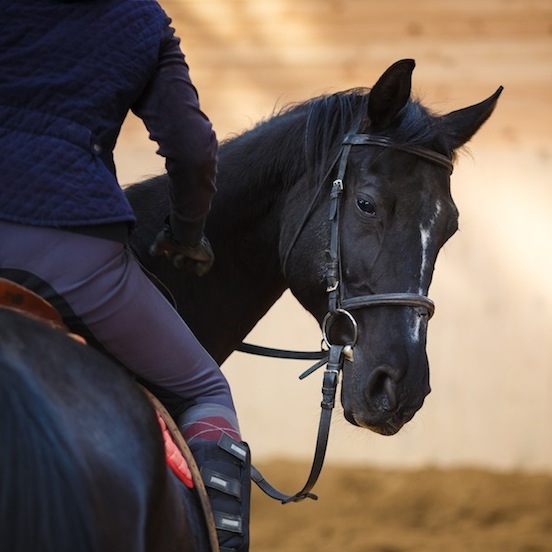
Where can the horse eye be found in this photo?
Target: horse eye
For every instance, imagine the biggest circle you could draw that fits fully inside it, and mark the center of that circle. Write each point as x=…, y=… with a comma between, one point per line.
x=366, y=206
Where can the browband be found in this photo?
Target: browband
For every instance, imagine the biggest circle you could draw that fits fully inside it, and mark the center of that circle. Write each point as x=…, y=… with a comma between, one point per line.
x=425, y=153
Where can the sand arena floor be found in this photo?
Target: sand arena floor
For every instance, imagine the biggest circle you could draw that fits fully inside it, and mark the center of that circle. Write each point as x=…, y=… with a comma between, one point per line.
x=428, y=510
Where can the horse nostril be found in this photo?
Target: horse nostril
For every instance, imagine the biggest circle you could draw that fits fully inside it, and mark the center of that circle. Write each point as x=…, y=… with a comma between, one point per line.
x=390, y=388
x=382, y=388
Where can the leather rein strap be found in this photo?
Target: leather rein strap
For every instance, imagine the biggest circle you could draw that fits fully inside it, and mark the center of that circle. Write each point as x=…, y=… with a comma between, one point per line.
x=338, y=305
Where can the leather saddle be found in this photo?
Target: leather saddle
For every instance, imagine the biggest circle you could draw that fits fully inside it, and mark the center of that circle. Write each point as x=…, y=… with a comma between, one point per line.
x=18, y=298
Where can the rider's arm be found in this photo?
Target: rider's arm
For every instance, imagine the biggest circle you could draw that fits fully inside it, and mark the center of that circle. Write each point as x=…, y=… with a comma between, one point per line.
x=169, y=107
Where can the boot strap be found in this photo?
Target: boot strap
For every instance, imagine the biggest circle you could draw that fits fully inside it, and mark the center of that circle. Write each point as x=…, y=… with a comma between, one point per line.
x=221, y=482
x=228, y=522
x=232, y=447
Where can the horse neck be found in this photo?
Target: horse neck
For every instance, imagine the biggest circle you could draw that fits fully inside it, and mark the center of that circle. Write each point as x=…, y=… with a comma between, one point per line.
x=256, y=171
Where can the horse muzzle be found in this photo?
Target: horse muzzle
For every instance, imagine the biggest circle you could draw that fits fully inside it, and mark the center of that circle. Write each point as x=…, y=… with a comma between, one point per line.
x=382, y=403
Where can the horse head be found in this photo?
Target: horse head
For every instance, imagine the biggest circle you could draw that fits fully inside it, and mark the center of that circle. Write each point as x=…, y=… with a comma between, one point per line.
x=390, y=171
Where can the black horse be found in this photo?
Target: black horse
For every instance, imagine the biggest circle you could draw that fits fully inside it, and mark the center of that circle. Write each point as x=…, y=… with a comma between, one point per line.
x=270, y=230
x=82, y=462
x=346, y=200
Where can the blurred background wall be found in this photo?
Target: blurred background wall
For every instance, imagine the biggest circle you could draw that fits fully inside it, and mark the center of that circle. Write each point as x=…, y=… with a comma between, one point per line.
x=490, y=342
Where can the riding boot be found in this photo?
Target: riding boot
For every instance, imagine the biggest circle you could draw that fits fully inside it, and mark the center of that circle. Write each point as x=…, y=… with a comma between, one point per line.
x=225, y=467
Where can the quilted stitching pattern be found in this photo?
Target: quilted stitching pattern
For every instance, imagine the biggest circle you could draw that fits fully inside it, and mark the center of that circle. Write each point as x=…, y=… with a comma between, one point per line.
x=60, y=116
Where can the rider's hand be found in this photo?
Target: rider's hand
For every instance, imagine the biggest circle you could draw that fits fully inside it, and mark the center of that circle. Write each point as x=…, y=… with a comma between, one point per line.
x=198, y=258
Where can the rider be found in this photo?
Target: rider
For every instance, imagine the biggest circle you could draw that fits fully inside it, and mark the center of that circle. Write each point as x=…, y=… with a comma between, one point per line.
x=71, y=71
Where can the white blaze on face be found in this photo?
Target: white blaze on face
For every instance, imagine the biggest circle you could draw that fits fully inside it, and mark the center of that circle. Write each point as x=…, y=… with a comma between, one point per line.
x=425, y=237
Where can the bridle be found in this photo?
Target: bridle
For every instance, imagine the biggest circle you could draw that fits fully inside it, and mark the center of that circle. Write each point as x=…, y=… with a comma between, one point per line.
x=339, y=306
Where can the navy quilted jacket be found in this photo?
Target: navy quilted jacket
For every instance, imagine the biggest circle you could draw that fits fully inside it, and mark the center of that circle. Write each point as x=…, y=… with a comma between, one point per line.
x=69, y=74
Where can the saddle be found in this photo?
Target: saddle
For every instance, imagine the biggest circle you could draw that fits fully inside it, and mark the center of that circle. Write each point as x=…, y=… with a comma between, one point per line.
x=18, y=298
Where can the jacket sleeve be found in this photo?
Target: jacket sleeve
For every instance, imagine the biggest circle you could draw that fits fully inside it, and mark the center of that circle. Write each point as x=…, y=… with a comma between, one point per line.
x=169, y=107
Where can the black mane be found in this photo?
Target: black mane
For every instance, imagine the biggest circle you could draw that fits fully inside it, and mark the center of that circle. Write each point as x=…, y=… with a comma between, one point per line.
x=318, y=125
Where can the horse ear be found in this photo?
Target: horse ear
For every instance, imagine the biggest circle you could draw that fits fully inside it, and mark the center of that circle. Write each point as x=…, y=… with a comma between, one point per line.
x=390, y=94
x=462, y=124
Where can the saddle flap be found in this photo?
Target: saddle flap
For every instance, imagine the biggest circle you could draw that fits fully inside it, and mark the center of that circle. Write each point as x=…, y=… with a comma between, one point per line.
x=16, y=297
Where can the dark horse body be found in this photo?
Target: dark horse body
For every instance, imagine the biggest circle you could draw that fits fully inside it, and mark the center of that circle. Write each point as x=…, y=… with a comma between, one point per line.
x=270, y=231
x=82, y=462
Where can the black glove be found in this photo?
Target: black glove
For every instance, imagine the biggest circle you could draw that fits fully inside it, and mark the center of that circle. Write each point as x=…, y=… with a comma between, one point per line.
x=198, y=258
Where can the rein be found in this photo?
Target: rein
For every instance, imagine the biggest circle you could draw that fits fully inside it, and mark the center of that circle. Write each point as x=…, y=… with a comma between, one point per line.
x=339, y=306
